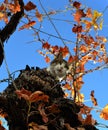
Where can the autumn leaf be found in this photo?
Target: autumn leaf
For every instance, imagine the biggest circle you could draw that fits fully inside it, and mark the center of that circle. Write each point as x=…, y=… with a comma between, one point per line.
x=79, y=98
x=42, y=112
x=54, y=49
x=35, y=126
x=76, y=4
x=23, y=93
x=46, y=45
x=38, y=96
x=101, y=39
x=104, y=113
x=85, y=110
x=88, y=24
x=93, y=99
x=67, y=86
x=1, y=15
x=89, y=13
x=89, y=120
x=64, y=50
x=47, y=59
x=32, y=97
x=14, y=8
x=29, y=6
x=39, y=16
x=2, y=8
x=68, y=127
x=77, y=29
x=71, y=59
x=101, y=24
x=28, y=25
x=96, y=15
x=78, y=15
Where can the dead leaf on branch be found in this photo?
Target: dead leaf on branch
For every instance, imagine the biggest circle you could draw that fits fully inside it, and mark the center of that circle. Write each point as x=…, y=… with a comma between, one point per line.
x=28, y=25
x=104, y=113
x=35, y=126
x=29, y=6
x=77, y=5
x=78, y=15
x=93, y=99
x=39, y=16
x=41, y=109
x=32, y=97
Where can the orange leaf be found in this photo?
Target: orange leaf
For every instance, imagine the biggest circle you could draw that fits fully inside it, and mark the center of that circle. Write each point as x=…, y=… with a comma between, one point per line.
x=104, y=113
x=67, y=86
x=29, y=6
x=89, y=13
x=28, y=25
x=39, y=16
x=47, y=59
x=78, y=15
x=14, y=8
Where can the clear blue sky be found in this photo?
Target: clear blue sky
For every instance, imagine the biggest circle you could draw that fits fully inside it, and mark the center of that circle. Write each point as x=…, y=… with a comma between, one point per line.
x=20, y=51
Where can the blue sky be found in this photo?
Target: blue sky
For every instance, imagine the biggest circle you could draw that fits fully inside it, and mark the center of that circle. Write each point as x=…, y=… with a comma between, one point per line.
x=20, y=51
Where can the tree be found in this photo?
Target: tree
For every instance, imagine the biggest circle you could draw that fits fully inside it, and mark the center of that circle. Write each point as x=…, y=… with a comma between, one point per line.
x=51, y=98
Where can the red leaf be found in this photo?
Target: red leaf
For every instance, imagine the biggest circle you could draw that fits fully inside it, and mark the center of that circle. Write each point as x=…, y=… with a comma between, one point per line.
x=64, y=50
x=77, y=29
x=46, y=45
x=70, y=60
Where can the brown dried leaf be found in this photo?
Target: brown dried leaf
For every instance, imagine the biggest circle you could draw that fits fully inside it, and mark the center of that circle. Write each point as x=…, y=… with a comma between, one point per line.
x=38, y=96
x=39, y=16
x=29, y=6
x=93, y=99
x=28, y=25
x=77, y=29
x=23, y=93
x=76, y=4
x=42, y=112
x=35, y=126
x=89, y=13
x=46, y=45
x=78, y=15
